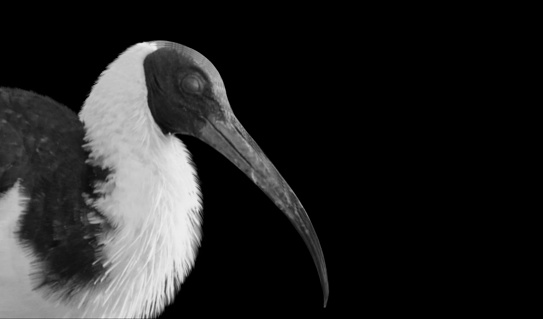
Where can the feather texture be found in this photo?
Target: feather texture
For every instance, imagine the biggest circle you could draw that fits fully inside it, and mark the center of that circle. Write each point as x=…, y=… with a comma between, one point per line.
x=152, y=198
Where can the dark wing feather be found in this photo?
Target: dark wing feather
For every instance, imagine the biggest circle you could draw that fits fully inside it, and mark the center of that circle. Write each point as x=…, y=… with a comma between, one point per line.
x=41, y=144
x=12, y=154
x=37, y=135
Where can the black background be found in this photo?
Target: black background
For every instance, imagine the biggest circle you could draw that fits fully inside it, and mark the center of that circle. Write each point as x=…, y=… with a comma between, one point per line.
x=283, y=87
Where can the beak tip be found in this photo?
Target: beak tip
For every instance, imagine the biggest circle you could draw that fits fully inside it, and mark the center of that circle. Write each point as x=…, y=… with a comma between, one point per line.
x=325, y=292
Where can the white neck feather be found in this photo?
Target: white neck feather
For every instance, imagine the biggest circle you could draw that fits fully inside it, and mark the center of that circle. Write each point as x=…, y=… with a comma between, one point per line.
x=152, y=197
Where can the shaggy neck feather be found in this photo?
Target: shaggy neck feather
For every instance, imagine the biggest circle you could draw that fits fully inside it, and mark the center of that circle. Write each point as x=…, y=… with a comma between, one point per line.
x=151, y=198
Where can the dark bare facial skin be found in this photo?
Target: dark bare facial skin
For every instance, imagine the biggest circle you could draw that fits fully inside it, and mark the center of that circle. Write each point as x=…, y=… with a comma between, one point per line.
x=180, y=93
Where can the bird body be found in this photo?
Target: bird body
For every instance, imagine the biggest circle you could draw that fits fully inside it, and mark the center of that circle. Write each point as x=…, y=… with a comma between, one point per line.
x=150, y=197
x=100, y=216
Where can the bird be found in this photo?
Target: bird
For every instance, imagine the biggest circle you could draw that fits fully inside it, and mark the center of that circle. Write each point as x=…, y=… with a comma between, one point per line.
x=101, y=211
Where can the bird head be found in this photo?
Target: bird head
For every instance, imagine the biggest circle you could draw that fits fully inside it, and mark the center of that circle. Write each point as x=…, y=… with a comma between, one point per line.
x=186, y=96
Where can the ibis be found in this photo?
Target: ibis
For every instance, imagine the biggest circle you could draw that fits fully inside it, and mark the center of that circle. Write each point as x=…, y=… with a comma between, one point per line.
x=101, y=212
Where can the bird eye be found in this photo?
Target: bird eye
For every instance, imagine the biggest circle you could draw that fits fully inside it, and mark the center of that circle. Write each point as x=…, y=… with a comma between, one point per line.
x=192, y=84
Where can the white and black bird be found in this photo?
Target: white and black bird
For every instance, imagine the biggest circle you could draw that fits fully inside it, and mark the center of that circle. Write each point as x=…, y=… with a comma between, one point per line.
x=100, y=214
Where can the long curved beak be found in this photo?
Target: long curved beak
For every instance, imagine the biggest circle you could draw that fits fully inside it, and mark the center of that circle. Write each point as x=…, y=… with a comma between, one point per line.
x=228, y=137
